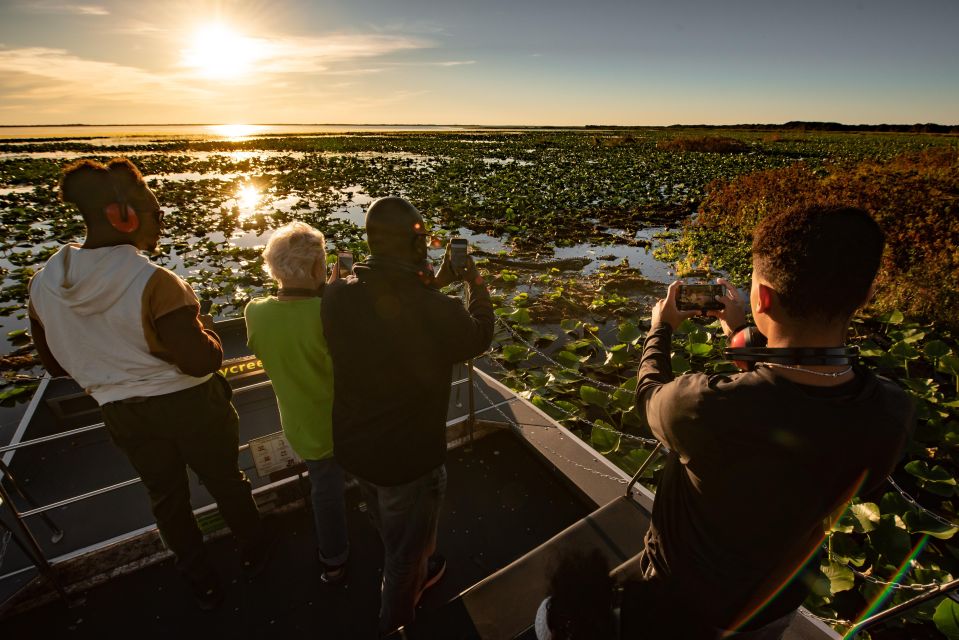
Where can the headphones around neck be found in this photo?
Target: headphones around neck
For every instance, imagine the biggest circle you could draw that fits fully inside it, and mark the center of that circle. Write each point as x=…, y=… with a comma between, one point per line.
x=120, y=214
x=747, y=346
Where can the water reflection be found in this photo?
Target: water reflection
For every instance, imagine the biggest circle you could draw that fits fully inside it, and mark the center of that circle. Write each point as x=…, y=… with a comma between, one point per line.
x=247, y=198
x=235, y=131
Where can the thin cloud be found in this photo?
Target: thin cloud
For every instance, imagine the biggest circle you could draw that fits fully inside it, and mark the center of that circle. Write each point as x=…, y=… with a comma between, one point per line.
x=444, y=63
x=56, y=74
x=70, y=9
x=221, y=53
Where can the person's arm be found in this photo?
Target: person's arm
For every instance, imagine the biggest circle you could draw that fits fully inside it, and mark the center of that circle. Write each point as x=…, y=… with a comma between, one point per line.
x=173, y=328
x=472, y=328
x=39, y=335
x=668, y=405
x=194, y=350
x=43, y=349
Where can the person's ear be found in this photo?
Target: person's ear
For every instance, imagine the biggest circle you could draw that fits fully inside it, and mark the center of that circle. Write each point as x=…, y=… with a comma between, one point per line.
x=765, y=301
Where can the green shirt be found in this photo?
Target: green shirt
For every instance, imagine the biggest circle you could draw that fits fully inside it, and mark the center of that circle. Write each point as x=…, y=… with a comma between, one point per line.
x=287, y=336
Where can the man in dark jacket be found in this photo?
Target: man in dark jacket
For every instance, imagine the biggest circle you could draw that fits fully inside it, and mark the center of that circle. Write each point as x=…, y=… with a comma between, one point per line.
x=759, y=460
x=394, y=338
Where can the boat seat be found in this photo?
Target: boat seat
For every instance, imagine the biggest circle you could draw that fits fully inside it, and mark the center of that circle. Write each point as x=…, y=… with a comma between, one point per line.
x=504, y=604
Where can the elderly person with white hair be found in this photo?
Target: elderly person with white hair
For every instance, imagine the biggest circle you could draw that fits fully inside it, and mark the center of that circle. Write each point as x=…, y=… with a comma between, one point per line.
x=286, y=333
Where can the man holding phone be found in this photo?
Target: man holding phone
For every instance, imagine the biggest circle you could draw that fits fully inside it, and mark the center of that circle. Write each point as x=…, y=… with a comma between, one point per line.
x=394, y=338
x=786, y=437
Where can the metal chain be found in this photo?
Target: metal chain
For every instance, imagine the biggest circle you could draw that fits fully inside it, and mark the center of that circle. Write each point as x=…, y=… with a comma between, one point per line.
x=897, y=586
x=908, y=498
x=868, y=578
x=519, y=427
x=830, y=621
x=628, y=436
x=513, y=332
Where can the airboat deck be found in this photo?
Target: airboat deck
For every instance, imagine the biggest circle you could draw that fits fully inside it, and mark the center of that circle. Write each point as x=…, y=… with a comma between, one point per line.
x=521, y=488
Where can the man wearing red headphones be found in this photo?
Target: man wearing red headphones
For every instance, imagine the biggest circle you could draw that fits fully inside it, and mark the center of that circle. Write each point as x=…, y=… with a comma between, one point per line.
x=758, y=460
x=129, y=332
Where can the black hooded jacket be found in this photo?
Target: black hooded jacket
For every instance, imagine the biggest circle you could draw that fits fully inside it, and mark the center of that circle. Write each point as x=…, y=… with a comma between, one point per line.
x=394, y=342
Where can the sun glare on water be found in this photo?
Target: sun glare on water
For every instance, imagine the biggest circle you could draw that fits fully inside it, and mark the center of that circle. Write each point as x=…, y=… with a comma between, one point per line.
x=235, y=131
x=218, y=52
x=247, y=197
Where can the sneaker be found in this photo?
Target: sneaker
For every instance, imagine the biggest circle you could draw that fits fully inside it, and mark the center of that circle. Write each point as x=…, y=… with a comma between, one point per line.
x=435, y=569
x=256, y=558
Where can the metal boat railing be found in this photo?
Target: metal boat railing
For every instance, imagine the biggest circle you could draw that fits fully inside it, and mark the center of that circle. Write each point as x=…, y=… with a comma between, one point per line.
x=32, y=548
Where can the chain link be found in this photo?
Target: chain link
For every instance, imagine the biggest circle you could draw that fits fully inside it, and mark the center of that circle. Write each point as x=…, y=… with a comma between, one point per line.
x=520, y=427
x=830, y=621
x=897, y=586
x=912, y=501
x=516, y=335
x=868, y=578
x=628, y=436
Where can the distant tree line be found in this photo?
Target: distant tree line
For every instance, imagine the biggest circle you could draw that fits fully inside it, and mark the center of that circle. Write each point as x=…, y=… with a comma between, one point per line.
x=799, y=125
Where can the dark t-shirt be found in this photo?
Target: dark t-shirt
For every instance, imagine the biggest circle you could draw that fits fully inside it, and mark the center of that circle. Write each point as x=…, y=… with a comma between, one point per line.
x=394, y=342
x=757, y=463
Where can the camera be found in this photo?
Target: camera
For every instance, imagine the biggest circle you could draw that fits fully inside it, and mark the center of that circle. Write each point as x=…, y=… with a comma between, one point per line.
x=458, y=256
x=699, y=297
x=344, y=262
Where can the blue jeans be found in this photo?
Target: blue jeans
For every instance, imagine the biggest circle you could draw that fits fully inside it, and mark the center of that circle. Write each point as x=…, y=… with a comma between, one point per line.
x=406, y=516
x=329, y=510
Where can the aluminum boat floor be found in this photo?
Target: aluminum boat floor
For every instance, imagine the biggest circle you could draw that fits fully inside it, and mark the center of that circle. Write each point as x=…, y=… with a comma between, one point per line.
x=501, y=501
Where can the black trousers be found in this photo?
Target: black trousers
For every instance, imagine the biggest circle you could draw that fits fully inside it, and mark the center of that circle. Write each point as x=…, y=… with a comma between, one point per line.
x=196, y=427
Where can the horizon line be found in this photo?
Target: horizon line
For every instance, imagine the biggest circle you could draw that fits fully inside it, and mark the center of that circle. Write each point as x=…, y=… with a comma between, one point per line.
x=475, y=126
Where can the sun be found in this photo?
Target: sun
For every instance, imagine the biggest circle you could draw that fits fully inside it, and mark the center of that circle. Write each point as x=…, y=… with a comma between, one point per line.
x=218, y=52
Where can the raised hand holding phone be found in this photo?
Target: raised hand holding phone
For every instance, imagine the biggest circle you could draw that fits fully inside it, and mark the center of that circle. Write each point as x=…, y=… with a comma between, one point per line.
x=459, y=257
x=344, y=264
x=733, y=314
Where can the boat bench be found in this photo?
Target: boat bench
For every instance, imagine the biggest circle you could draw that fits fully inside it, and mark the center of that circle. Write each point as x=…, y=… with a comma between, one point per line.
x=504, y=604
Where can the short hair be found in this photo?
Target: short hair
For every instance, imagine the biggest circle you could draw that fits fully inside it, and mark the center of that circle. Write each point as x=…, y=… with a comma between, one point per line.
x=291, y=251
x=92, y=185
x=821, y=260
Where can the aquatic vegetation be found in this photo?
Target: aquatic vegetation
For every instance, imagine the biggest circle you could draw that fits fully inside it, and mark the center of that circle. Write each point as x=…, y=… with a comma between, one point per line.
x=570, y=325
x=914, y=197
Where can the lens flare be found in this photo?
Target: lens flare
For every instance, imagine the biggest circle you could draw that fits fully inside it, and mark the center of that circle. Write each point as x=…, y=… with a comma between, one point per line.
x=247, y=198
x=886, y=593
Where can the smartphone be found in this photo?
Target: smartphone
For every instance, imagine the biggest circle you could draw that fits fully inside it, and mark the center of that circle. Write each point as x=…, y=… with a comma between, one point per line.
x=458, y=248
x=699, y=297
x=344, y=262
x=205, y=305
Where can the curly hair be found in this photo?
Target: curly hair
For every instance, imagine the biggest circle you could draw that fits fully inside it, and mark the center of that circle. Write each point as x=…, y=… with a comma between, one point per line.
x=821, y=260
x=92, y=185
x=291, y=251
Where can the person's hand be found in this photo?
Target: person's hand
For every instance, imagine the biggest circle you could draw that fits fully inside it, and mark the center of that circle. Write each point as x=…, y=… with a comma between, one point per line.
x=733, y=314
x=334, y=272
x=665, y=310
x=206, y=320
x=472, y=274
x=445, y=275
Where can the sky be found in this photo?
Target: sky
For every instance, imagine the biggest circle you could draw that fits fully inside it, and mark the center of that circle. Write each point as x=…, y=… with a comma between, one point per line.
x=488, y=62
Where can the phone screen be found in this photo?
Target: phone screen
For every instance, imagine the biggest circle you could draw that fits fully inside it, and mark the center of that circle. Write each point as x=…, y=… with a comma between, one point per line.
x=344, y=262
x=702, y=297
